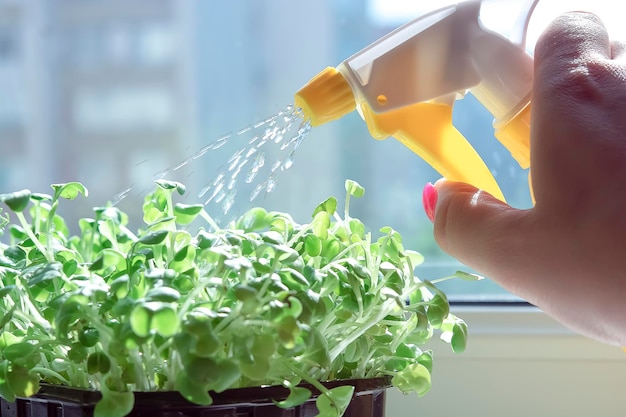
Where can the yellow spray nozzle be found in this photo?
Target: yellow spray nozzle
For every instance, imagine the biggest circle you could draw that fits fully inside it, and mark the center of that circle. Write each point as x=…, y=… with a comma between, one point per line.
x=326, y=97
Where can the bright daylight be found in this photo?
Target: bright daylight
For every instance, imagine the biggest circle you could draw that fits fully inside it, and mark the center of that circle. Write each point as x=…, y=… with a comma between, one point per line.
x=238, y=208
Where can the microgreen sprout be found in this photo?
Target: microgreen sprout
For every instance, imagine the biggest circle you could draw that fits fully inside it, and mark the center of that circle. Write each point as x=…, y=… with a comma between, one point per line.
x=263, y=301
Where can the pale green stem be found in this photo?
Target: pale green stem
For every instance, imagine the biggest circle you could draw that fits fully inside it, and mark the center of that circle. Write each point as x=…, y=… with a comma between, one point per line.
x=34, y=238
x=209, y=220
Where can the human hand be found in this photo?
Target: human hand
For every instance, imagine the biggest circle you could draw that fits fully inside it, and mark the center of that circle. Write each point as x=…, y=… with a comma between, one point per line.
x=566, y=255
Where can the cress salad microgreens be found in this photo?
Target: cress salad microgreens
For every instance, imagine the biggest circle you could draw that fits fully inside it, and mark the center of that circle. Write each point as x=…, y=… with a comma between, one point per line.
x=262, y=301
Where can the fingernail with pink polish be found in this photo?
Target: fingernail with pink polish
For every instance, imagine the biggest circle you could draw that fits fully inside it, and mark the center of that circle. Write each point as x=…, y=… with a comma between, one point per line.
x=429, y=199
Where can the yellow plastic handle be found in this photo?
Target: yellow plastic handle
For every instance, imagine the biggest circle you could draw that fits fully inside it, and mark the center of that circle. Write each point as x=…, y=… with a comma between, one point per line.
x=426, y=129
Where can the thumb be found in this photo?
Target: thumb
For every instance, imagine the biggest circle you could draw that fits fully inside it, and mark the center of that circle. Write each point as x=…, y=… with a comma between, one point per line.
x=476, y=228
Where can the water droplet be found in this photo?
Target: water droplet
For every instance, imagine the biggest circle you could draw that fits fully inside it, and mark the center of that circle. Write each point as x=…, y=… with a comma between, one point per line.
x=182, y=164
x=215, y=193
x=161, y=174
x=204, y=191
x=287, y=164
x=219, y=142
x=234, y=164
x=244, y=130
x=251, y=152
x=219, y=179
x=257, y=190
x=252, y=174
x=284, y=130
x=271, y=184
x=270, y=134
x=229, y=201
x=236, y=155
x=202, y=151
x=291, y=140
x=120, y=196
x=259, y=161
x=237, y=170
x=261, y=143
x=220, y=197
x=281, y=135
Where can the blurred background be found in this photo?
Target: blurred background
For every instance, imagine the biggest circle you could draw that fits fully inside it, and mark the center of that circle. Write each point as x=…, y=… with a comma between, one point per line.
x=112, y=92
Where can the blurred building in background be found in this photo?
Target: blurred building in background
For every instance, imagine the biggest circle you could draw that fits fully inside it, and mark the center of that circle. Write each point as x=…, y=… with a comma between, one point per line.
x=103, y=85
x=112, y=92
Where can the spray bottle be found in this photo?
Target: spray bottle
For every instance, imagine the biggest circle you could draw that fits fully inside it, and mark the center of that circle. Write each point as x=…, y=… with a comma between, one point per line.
x=405, y=84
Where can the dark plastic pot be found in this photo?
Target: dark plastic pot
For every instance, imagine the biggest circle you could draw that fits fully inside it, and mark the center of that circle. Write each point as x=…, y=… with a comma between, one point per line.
x=56, y=401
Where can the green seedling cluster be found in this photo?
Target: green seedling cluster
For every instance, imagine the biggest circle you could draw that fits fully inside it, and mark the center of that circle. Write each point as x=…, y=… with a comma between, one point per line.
x=263, y=301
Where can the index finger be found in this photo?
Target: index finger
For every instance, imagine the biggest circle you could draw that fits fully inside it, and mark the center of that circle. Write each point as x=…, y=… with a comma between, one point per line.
x=573, y=37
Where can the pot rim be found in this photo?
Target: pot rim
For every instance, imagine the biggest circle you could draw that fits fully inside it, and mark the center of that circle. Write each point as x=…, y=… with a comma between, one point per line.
x=246, y=395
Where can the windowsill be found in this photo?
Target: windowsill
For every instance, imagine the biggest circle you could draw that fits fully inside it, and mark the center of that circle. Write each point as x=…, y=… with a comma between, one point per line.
x=521, y=363
x=522, y=332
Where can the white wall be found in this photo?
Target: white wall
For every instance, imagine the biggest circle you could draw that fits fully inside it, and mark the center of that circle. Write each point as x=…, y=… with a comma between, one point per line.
x=520, y=363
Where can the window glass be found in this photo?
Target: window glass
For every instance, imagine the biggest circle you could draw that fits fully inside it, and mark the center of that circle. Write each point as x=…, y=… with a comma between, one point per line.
x=115, y=94
x=117, y=108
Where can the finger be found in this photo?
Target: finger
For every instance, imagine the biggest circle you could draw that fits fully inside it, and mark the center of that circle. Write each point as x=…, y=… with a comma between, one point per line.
x=573, y=37
x=571, y=59
x=618, y=51
x=480, y=230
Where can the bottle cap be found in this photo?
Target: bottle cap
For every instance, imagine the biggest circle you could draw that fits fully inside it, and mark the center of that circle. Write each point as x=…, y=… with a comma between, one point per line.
x=326, y=97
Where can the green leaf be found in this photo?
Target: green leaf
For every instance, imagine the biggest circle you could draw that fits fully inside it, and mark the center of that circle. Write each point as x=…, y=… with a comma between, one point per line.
x=229, y=373
x=254, y=219
x=288, y=330
x=4, y=291
x=357, y=227
x=186, y=214
x=16, y=201
x=335, y=402
x=40, y=197
x=163, y=294
x=21, y=381
x=297, y=396
x=320, y=224
x=414, y=378
x=317, y=349
x=5, y=389
x=416, y=258
x=69, y=190
x=438, y=307
x=98, y=362
x=354, y=188
x=109, y=258
x=154, y=238
x=114, y=403
x=193, y=392
x=459, y=336
x=89, y=336
x=46, y=274
x=15, y=253
x=165, y=321
x=140, y=321
x=312, y=245
x=329, y=206
x=171, y=185
x=466, y=276
x=207, y=344
x=19, y=351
